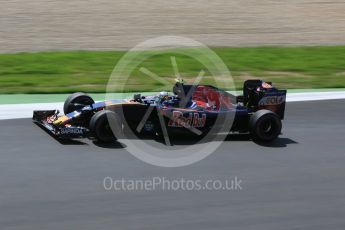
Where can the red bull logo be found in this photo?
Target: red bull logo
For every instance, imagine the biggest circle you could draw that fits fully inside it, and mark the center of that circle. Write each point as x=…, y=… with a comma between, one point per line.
x=195, y=120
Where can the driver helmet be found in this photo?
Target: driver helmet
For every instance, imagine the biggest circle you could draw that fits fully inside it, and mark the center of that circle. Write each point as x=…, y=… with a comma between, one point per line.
x=163, y=94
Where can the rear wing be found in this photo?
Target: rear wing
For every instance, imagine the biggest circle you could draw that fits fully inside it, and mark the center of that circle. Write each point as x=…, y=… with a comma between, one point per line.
x=256, y=97
x=274, y=101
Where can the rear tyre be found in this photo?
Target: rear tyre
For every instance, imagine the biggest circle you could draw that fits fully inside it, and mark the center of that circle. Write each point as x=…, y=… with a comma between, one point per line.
x=77, y=101
x=265, y=125
x=101, y=125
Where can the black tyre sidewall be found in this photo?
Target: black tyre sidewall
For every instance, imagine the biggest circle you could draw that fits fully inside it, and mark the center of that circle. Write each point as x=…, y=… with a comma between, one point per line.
x=265, y=118
x=100, y=127
x=80, y=98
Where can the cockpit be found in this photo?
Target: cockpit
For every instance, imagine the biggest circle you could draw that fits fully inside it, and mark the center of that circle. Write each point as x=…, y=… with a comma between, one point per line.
x=198, y=97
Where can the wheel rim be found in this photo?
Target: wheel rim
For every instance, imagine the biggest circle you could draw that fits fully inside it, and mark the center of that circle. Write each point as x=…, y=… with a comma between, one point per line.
x=268, y=128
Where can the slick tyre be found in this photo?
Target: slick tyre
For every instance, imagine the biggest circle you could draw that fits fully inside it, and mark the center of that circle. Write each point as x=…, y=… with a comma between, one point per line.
x=105, y=126
x=265, y=126
x=77, y=101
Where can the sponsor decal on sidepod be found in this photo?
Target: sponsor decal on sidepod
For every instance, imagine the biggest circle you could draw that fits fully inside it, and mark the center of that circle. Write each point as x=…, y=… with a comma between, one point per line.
x=193, y=120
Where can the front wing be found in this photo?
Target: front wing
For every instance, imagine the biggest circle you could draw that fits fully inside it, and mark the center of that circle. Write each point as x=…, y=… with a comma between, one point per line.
x=45, y=119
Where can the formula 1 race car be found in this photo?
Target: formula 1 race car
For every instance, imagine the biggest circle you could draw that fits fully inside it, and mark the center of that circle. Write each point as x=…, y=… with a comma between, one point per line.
x=190, y=109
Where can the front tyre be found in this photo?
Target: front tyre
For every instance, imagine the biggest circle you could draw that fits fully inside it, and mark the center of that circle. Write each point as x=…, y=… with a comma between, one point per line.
x=265, y=125
x=77, y=101
x=101, y=125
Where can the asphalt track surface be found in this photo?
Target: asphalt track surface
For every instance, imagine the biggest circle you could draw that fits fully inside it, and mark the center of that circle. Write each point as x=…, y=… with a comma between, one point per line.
x=295, y=183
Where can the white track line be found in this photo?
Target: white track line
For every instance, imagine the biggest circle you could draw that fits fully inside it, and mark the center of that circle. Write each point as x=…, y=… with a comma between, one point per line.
x=14, y=111
x=315, y=96
x=25, y=110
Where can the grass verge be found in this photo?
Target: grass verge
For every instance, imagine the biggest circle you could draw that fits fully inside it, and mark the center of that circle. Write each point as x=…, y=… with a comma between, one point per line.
x=89, y=71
